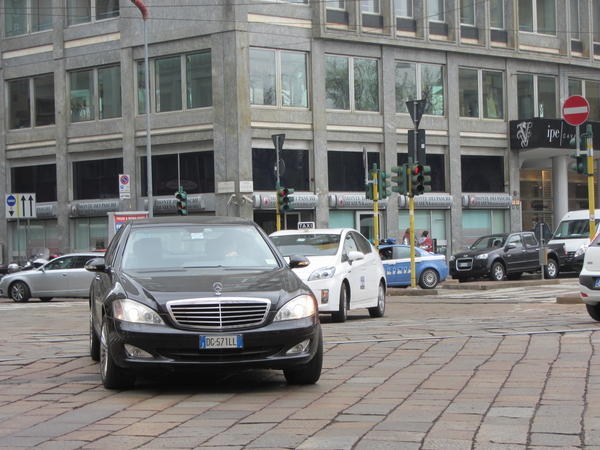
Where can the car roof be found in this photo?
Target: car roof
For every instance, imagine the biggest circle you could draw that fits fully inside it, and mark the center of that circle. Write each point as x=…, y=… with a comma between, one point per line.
x=90, y=253
x=173, y=220
x=312, y=231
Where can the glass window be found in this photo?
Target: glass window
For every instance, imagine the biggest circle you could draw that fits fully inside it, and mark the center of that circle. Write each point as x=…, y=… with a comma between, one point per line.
x=105, y=9
x=168, y=84
x=82, y=11
x=436, y=10
x=596, y=21
x=199, y=80
x=474, y=99
x=482, y=173
x=537, y=16
x=337, y=83
x=536, y=96
x=346, y=171
x=141, y=77
x=335, y=4
x=592, y=95
x=366, y=84
x=23, y=111
x=428, y=79
x=497, y=14
x=404, y=8
x=194, y=171
x=27, y=16
x=40, y=180
x=97, y=179
x=467, y=12
x=468, y=87
x=575, y=87
x=91, y=233
x=525, y=96
x=295, y=170
x=493, y=95
x=82, y=95
x=547, y=97
x=574, y=13
x=370, y=6
x=109, y=92
x=362, y=73
x=278, y=78
x=406, y=85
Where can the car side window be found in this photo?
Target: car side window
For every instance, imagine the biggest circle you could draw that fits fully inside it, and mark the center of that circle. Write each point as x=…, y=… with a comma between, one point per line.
x=363, y=245
x=386, y=253
x=401, y=252
x=516, y=240
x=349, y=246
x=530, y=240
x=80, y=262
x=61, y=263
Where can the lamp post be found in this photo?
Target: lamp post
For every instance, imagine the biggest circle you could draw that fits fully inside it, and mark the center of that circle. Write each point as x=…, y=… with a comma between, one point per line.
x=140, y=5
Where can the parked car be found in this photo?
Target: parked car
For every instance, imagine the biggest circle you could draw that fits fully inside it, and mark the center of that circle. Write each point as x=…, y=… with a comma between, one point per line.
x=506, y=255
x=431, y=268
x=589, y=279
x=345, y=270
x=64, y=276
x=574, y=232
x=200, y=293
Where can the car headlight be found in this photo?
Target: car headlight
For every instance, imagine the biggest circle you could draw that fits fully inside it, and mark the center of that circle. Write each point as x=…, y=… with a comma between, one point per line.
x=322, y=273
x=581, y=250
x=482, y=256
x=298, y=308
x=132, y=311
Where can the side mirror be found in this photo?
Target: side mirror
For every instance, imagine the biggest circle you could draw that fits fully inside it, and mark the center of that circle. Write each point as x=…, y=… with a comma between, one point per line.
x=95, y=265
x=298, y=261
x=511, y=245
x=355, y=256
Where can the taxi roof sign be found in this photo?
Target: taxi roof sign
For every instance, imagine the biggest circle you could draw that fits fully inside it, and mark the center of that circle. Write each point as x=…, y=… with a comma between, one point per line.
x=306, y=225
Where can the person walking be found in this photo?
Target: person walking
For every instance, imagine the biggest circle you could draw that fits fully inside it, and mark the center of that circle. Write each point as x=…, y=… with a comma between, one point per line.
x=406, y=237
x=424, y=242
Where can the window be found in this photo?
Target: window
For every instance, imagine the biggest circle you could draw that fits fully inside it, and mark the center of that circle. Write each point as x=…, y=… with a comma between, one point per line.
x=346, y=171
x=289, y=1
x=167, y=76
x=335, y=4
x=497, y=14
x=295, y=171
x=480, y=93
x=574, y=19
x=194, y=171
x=590, y=90
x=536, y=96
x=95, y=93
x=428, y=79
x=370, y=6
x=27, y=16
x=343, y=72
x=40, y=180
x=537, y=16
x=278, y=78
x=467, y=12
x=436, y=10
x=596, y=21
x=31, y=101
x=482, y=173
x=96, y=179
x=404, y=8
x=85, y=11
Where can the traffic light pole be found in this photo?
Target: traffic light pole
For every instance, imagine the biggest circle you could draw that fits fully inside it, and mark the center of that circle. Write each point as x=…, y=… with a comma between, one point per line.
x=590, y=174
x=376, y=205
x=411, y=215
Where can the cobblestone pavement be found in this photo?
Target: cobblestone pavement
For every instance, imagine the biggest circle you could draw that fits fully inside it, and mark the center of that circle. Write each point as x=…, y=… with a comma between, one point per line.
x=507, y=369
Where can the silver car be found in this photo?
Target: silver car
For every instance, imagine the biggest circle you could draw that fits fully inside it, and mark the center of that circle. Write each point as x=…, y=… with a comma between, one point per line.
x=64, y=276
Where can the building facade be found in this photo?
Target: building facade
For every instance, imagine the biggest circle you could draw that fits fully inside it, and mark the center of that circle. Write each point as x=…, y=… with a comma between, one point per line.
x=334, y=77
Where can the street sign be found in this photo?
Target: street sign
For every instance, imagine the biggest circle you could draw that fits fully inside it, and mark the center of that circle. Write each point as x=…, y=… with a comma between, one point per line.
x=20, y=206
x=576, y=110
x=124, y=187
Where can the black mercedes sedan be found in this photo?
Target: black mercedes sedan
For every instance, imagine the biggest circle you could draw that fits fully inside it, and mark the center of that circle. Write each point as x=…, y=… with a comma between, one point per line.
x=200, y=293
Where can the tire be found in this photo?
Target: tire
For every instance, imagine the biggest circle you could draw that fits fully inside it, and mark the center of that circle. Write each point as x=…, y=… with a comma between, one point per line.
x=462, y=280
x=19, y=292
x=310, y=372
x=113, y=376
x=94, y=341
x=379, y=310
x=429, y=278
x=551, y=269
x=342, y=314
x=594, y=311
x=514, y=276
x=497, y=273
x=46, y=299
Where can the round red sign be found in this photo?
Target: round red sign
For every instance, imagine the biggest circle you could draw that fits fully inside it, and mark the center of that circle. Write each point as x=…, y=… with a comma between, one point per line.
x=576, y=110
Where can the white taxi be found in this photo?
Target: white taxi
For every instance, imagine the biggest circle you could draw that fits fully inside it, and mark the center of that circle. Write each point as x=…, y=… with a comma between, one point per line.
x=345, y=270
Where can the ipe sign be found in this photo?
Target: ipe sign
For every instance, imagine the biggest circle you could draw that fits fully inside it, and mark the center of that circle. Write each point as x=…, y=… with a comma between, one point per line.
x=576, y=110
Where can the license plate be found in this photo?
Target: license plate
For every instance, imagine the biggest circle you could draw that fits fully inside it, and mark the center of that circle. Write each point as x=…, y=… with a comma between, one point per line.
x=227, y=341
x=597, y=283
x=463, y=264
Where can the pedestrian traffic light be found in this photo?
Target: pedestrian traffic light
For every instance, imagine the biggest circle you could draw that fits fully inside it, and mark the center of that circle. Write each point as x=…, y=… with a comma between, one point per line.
x=383, y=184
x=286, y=200
x=580, y=163
x=401, y=179
x=420, y=181
x=182, y=207
x=369, y=187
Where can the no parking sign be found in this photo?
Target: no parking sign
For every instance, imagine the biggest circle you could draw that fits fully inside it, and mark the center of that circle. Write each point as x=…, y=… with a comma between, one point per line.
x=124, y=187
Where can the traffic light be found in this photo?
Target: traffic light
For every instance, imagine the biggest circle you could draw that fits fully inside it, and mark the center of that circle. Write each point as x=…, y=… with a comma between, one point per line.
x=383, y=184
x=369, y=187
x=182, y=208
x=420, y=181
x=580, y=163
x=285, y=200
x=401, y=179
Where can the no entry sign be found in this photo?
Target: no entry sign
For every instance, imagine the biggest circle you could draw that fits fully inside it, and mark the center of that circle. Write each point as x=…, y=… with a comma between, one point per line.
x=576, y=110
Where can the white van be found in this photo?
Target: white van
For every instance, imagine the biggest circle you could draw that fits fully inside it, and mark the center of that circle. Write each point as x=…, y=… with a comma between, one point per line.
x=574, y=232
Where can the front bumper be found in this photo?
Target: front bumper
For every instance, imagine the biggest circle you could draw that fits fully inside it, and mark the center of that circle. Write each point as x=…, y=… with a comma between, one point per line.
x=327, y=293
x=475, y=268
x=174, y=349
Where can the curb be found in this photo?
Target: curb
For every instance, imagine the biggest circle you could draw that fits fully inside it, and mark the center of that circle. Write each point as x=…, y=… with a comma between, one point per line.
x=569, y=299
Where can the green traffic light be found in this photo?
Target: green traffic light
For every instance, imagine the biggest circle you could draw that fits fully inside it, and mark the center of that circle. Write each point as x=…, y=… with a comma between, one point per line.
x=182, y=202
x=401, y=179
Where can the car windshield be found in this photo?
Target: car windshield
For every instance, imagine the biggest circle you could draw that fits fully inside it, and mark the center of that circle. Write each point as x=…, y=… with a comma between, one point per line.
x=573, y=229
x=307, y=244
x=183, y=247
x=488, y=242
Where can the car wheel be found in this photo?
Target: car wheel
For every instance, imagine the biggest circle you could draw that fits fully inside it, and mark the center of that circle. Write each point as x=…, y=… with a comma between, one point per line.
x=342, y=314
x=551, y=269
x=379, y=310
x=19, y=292
x=113, y=376
x=429, y=279
x=594, y=311
x=310, y=372
x=497, y=273
x=46, y=299
x=94, y=341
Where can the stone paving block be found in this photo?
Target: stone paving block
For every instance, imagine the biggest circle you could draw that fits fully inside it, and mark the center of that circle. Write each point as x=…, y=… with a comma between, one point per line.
x=506, y=434
x=60, y=445
x=145, y=429
x=446, y=444
x=118, y=443
x=555, y=440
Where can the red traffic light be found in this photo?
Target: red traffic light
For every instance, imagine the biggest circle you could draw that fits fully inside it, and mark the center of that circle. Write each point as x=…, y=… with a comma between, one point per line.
x=417, y=170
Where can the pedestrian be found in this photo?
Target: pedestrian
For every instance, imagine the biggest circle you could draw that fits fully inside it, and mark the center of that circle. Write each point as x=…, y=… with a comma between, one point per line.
x=424, y=242
x=406, y=237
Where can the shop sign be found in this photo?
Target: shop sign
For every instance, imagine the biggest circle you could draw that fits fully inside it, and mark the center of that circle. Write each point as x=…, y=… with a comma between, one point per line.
x=46, y=211
x=486, y=201
x=94, y=208
x=540, y=132
x=427, y=201
x=301, y=201
x=167, y=205
x=354, y=201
